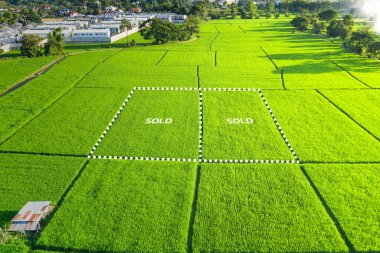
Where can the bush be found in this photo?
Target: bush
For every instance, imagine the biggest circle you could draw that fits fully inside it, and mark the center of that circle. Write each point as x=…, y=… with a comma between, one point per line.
x=373, y=50
x=360, y=40
x=31, y=46
x=300, y=23
x=337, y=28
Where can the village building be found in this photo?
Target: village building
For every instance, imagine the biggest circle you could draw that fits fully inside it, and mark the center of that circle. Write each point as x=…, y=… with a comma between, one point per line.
x=91, y=35
x=29, y=217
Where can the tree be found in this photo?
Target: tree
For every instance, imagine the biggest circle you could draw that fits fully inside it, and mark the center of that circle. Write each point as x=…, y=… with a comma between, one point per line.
x=200, y=8
x=234, y=10
x=192, y=24
x=125, y=25
x=348, y=20
x=337, y=28
x=374, y=49
x=327, y=15
x=300, y=23
x=27, y=16
x=318, y=27
x=161, y=31
x=30, y=46
x=269, y=7
x=248, y=8
x=360, y=40
x=55, y=43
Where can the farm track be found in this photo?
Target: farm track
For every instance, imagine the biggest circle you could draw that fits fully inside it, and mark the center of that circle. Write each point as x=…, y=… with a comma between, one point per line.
x=348, y=115
x=33, y=76
x=55, y=101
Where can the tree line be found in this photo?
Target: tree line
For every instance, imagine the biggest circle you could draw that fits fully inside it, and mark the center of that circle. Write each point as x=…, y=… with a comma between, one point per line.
x=362, y=41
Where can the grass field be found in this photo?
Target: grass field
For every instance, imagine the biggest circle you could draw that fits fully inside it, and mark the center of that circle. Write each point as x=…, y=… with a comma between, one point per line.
x=239, y=126
x=15, y=70
x=161, y=124
x=309, y=140
x=30, y=178
x=126, y=206
x=256, y=205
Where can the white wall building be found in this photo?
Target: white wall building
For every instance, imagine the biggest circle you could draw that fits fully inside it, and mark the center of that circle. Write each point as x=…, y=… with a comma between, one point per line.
x=91, y=35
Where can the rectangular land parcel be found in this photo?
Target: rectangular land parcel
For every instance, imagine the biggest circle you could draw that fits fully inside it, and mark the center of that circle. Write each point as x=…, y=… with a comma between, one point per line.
x=155, y=123
x=238, y=126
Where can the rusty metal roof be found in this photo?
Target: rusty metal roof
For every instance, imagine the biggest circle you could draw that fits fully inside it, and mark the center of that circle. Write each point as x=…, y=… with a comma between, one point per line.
x=32, y=211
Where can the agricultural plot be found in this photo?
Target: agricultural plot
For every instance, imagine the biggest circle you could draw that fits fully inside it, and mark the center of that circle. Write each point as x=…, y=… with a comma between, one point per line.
x=237, y=125
x=249, y=208
x=232, y=77
x=33, y=178
x=70, y=126
x=217, y=173
x=178, y=58
x=315, y=74
x=23, y=104
x=353, y=194
x=16, y=70
x=362, y=105
x=318, y=131
x=140, y=75
x=365, y=70
x=125, y=206
x=155, y=123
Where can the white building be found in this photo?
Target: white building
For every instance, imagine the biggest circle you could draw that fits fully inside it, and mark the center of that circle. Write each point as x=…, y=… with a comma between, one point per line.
x=114, y=28
x=91, y=35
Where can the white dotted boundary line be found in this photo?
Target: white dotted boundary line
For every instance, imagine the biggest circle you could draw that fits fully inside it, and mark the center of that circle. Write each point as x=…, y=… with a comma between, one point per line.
x=279, y=127
x=90, y=155
x=195, y=89
x=200, y=126
x=247, y=161
x=144, y=158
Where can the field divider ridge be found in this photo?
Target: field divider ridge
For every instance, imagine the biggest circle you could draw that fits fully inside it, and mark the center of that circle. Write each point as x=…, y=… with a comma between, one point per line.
x=111, y=123
x=34, y=75
x=162, y=57
x=268, y=56
x=278, y=126
x=51, y=104
x=332, y=216
x=348, y=72
x=283, y=79
x=348, y=115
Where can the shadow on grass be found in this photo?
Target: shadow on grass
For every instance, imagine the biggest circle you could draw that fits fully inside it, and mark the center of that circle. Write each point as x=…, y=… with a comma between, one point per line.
x=6, y=217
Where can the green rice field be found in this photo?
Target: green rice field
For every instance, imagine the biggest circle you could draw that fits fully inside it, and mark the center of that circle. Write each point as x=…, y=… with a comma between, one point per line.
x=249, y=138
